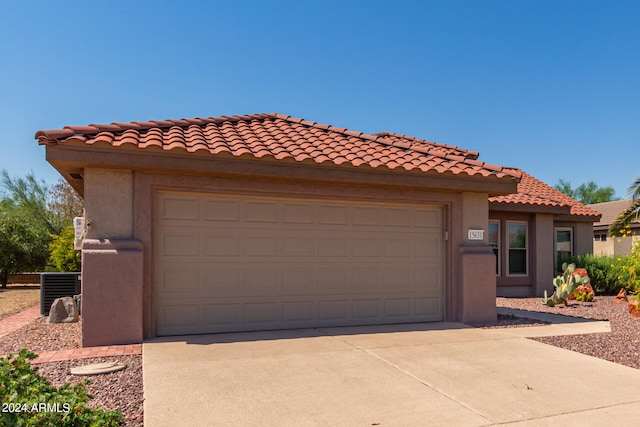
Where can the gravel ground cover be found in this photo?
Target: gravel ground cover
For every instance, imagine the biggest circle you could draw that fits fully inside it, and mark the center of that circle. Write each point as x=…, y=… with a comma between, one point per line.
x=509, y=321
x=121, y=390
x=621, y=346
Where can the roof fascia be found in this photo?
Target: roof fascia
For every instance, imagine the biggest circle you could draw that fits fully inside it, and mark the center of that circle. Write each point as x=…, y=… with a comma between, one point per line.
x=73, y=159
x=529, y=208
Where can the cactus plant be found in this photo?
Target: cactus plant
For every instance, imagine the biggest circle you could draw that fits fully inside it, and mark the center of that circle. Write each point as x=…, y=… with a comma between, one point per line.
x=564, y=286
x=583, y=295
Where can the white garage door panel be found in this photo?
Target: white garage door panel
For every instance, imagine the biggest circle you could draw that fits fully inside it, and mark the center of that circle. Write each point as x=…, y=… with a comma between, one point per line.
x=227, y=263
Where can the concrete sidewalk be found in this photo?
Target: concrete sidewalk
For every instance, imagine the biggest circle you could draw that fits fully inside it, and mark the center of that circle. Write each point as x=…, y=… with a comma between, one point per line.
x=396, y=375
x=559, y=324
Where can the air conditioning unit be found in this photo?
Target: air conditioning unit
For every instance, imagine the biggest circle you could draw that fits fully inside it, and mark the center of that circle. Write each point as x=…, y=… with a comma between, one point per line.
x=57, y=285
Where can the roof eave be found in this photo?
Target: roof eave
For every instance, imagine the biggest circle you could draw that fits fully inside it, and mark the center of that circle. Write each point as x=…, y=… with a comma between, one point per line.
x=530, y=208
x=72, y=159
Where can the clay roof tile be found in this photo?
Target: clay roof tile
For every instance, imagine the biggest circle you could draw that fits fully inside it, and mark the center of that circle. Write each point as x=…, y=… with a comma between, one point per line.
x=282, y=137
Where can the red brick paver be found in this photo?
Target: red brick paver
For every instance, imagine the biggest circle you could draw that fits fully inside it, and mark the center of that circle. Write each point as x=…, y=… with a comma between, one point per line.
x=17, y=321
x=87, y=353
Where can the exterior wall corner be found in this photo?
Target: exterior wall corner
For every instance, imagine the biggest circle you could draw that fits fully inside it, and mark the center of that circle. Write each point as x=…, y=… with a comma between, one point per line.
x=112, y=303
x=478, y=284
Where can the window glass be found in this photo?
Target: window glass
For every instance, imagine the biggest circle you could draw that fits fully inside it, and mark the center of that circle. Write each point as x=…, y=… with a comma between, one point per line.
x=564, y=245
x=600, y=238
x=517, y=241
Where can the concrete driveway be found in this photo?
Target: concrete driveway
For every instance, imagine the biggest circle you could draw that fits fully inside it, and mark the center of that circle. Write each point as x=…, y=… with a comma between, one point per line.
x=399, y=375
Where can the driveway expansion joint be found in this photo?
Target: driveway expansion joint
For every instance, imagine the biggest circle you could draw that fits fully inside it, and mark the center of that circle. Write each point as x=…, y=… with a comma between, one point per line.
x=419, y=380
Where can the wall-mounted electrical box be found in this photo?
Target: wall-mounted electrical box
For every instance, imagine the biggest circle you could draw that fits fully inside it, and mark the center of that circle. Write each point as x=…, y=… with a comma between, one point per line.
x=79, y=232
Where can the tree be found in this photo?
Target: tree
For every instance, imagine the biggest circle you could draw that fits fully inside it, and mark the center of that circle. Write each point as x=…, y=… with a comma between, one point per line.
x=587, y=193
x=565, y=187
x=23, y=241
x=620, y=226
x=32, y=215
x=64, y=203
x=30, y=195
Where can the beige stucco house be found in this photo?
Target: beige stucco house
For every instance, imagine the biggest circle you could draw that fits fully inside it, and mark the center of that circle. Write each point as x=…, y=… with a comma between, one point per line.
x=603, y=243
x=266, y=222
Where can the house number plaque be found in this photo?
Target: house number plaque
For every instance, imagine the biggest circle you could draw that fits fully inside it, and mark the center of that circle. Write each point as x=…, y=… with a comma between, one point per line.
x=475, y=234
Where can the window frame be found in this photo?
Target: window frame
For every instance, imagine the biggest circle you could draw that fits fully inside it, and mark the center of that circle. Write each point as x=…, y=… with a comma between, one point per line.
x=555, y=244
x=499, y=247
x=525, y=249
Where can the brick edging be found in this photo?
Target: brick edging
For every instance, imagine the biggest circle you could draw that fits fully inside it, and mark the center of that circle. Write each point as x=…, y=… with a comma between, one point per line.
x=87, y=353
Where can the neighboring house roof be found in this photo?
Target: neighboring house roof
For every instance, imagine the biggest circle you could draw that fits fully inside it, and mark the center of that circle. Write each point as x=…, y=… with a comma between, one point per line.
x=532, y=191
x=610, y=211
x=281, y=137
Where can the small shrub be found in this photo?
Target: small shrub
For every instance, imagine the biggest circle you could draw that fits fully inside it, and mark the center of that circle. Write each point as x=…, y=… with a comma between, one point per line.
x=29, y=399
x=609, y=274
x=62, y=253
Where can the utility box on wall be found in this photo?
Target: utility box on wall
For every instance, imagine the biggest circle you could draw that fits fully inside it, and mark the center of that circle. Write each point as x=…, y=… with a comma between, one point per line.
x=57, y=285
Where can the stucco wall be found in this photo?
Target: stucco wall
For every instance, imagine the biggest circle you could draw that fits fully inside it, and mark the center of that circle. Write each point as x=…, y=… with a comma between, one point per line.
x=477, y=263
x=583, y=238
x=108, y=203
x=618, y=246
x=475, y=215
x=543, y=254
x=112, y=304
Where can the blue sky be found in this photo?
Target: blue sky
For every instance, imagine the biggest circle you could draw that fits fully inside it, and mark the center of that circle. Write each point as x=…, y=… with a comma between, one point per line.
x=552, y=87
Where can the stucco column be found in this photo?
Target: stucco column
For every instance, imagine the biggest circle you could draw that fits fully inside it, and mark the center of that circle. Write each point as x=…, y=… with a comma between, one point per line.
x=543, y=255
x=112, y=261
x=108, y=203
x=111, y=292
x=477, y=262
x=583, y=236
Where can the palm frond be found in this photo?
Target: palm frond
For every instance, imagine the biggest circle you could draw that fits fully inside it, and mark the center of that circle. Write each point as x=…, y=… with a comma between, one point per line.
x=625, y=218
x=634, y=189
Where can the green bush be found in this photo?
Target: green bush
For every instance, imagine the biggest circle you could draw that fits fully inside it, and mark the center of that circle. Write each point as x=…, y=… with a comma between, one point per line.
x=62, y=253
x=609, y=274
x=28, y=399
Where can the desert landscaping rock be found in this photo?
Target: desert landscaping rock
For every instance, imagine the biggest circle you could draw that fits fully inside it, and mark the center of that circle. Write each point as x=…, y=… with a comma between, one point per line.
x=98, y=368
x=64, y=310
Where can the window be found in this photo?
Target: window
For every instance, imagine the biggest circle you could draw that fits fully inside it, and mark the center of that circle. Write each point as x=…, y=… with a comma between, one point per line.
x=564, y=245
x=494, y=242
x=517, y=248
x=600, y=237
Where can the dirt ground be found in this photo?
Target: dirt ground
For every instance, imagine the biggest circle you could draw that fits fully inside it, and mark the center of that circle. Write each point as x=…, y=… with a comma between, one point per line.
x=17, y=297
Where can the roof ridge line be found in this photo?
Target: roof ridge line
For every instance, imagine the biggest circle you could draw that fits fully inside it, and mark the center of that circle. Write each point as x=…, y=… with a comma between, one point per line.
x=415, y=138
x=380, y=138
x=328, y=127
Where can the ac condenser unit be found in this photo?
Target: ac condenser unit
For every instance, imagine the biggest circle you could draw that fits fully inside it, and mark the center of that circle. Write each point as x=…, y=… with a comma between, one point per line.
x=57, y=285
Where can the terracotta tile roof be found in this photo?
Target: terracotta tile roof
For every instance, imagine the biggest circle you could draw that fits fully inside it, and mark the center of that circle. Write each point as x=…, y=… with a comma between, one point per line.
x=281, y=137
x=532, y=191
x=412, y=142
x=610, y=211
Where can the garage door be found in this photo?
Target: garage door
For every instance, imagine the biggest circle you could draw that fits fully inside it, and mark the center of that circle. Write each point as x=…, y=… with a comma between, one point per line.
x=227, y=263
